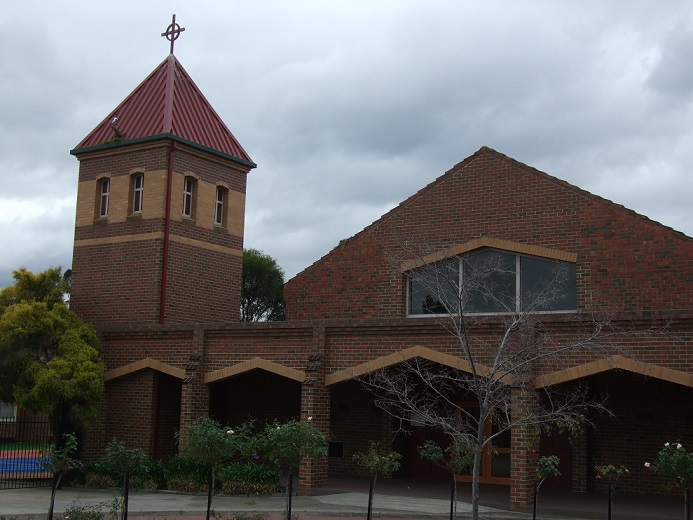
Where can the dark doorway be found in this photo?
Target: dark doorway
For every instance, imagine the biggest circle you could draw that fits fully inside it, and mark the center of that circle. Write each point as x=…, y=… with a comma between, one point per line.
x=555, y=442
x=258, y=395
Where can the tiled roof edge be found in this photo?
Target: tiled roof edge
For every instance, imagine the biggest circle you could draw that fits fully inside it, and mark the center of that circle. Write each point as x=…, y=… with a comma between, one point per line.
x=122, y=142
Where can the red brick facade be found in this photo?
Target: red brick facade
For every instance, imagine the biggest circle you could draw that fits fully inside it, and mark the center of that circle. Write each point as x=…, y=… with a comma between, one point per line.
x=349, y=309
x=128, y=265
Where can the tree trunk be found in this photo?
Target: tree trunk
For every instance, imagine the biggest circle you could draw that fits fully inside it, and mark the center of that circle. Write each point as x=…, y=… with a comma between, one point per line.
x=210, y=491
x=126, y=492
x=476, y=471
x=289, y=492
x=453, y=497
x=371, y=490
x=56, y=484
x=611, y=499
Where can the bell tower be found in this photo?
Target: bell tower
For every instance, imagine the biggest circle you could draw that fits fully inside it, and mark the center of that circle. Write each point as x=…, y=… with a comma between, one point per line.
x=160, y=208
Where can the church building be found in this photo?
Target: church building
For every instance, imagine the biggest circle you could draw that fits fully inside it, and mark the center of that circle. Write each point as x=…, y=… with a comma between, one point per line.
x=157, y=270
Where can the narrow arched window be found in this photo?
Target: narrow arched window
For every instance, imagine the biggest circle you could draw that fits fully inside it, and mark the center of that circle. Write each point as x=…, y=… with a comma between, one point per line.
x=220, y=206
x=104, y=194
x=189, y=185
x=137, y=193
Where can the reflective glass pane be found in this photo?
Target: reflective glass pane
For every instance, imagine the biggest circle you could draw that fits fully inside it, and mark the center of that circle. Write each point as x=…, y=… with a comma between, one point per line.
x=489, y=282
x=434, y=289
x=548, y=285
x=500, y=465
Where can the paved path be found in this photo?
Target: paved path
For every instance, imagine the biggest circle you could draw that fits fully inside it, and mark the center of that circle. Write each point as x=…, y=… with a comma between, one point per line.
x=26, y=503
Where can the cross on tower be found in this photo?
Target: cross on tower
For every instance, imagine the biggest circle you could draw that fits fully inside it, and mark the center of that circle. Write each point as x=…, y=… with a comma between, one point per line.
x=173, y=32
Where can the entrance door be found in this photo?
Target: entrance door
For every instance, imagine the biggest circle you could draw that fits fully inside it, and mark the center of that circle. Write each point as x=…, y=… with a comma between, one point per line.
x=495, y=459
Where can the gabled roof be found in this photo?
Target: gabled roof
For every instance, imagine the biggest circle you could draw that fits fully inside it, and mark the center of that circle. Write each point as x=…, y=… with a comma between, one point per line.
x=167, y=104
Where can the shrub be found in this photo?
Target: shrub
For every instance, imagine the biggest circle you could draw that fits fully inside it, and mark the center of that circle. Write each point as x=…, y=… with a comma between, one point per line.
x=77, y=511
x=185, y=474
x=250, y=479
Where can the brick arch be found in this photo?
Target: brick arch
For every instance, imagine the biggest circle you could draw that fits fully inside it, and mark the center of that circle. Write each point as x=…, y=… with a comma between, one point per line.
x=496, y=243
x=144, y=364
x=398, y=357
x=614, y=363
x=252, y=364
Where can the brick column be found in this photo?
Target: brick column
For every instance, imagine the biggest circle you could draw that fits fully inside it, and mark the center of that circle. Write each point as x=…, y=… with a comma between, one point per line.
x=315, y=404
x=579, y=479
x=194, y=399
x=524, y=446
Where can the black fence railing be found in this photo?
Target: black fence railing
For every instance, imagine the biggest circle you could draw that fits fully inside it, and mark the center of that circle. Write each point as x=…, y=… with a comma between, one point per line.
x=24, y=441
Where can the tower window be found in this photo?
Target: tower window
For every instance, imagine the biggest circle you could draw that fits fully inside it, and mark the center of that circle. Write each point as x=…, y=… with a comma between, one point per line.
x=220, y=206
x=137, y=192
x=189, y=185
x=104, y=194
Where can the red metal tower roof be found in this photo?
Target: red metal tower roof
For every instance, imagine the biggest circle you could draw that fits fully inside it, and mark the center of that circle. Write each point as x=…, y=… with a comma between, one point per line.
x=167, y=104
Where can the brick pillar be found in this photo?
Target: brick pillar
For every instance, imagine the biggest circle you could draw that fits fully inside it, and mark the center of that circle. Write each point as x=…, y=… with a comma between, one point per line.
x=524, y=446
x=194, y=398
x=579, y=478
x=315, y=404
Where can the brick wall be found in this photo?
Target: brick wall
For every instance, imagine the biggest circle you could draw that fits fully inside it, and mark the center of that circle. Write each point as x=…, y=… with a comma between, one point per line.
x=131, y=408
x=623, y=259
x=118, y=260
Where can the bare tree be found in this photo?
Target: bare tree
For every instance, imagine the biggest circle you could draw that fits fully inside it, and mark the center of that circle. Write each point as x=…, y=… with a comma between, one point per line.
x=505, y=336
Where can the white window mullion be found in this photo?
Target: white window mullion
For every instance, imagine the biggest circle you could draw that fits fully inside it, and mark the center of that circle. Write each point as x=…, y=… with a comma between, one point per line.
x=518, y=288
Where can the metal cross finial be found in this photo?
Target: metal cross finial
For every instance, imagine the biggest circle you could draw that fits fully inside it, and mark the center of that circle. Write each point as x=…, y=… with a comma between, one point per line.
x=173, y=32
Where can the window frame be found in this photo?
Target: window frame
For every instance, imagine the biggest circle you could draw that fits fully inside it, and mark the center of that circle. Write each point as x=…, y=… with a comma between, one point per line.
x=459, y=261
x=136, y=193
x=221, y=202
x=103, y=197
x=189, y=197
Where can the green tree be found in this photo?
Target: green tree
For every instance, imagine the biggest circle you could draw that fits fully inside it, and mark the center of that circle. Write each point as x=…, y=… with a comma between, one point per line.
x=49, y=358
x=675, y=463
x=288, y=445
x=60, y=462
x=547, y=466
x=455, y=459
x=377, y=462
x=207, y=442
x=262, y=292
x=124, y=463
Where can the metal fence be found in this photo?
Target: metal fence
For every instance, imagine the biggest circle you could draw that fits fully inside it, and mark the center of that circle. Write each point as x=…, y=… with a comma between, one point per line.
x=23, y=445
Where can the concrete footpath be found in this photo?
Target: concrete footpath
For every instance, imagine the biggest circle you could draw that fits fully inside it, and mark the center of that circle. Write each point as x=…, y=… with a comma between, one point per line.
x=33, y=503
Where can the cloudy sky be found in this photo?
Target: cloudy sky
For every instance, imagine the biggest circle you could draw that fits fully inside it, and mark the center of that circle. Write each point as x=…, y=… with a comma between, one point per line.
x=348, y=107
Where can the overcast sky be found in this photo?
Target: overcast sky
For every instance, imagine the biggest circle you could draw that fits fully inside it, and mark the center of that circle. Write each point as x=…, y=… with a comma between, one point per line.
x=349, y=107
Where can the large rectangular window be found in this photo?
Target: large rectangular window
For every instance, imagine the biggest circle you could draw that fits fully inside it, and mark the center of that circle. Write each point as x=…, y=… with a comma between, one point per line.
x=492, y=282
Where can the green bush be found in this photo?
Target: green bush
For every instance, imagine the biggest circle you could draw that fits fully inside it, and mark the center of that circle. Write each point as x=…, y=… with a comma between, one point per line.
x=185, y=474
x=248, y=478
x=152, y=476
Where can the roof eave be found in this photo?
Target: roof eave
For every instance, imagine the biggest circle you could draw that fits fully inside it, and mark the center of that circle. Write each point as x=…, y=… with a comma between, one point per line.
x=122, y=142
